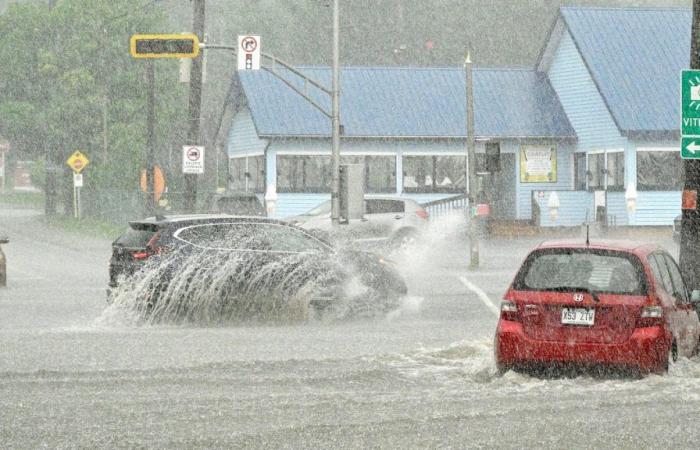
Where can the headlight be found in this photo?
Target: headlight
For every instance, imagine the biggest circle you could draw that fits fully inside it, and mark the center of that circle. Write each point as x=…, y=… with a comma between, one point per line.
x=386, y=262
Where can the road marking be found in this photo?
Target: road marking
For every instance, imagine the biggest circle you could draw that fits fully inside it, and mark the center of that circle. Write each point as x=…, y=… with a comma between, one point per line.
x=481, y=294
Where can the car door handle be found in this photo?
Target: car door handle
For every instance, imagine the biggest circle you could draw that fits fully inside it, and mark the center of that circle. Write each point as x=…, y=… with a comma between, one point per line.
x=397, y=217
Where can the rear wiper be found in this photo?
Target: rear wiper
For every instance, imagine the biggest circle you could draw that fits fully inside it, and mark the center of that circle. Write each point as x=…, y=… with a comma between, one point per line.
x=577, y=288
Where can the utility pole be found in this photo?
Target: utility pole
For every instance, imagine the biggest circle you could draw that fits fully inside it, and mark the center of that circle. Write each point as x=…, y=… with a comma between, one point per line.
x=471, y=168
x=690, y=225
x=195, y=103
x=335, y=118
x=151, y=144
x=51, y=166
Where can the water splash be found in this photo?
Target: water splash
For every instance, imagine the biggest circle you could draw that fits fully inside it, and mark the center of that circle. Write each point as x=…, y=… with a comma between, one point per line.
x=216, y=287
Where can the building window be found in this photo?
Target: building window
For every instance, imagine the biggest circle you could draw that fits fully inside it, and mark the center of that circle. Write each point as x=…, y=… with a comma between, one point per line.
x=596, y=171
x=296, y=173
x=247, y=174
x=426, y=174
x=616, y=171
x=380, y=172
x=580, y=171
x=659, y=171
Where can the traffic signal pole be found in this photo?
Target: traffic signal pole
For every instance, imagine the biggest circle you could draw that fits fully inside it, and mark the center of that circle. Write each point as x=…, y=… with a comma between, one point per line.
x=195, y=103
x=471, y=168
x=151, y=144
x=690, y=226
x=335, y=118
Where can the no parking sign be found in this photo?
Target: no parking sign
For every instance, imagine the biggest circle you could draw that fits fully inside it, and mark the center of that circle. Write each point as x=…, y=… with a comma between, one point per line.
x=192, y=159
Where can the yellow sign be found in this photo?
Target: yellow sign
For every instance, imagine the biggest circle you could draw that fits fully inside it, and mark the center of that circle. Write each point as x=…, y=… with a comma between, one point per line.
x=164, y=46
x=77, y=161
x=538, y=164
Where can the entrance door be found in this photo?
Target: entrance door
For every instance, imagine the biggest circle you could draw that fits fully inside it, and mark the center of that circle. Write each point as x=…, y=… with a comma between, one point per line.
x=501, y=189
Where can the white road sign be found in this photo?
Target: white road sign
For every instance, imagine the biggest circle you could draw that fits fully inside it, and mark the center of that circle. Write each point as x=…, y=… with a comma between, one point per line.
x=248, y=52
x=192, y=159
x=77, y=179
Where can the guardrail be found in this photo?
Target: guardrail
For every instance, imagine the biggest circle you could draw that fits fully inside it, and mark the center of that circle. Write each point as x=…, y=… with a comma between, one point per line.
x=445, y=206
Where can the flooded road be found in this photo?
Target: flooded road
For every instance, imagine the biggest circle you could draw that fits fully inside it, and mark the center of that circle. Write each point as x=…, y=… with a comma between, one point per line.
x=76, y=373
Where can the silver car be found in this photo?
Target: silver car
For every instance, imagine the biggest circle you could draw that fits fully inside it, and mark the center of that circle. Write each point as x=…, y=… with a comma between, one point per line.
x=392, y=220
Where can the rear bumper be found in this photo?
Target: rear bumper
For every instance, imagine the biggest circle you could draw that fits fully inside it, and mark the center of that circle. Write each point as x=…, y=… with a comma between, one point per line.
x=646, y=349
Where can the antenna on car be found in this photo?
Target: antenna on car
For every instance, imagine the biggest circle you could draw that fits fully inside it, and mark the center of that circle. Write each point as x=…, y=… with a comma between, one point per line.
x=588, y=242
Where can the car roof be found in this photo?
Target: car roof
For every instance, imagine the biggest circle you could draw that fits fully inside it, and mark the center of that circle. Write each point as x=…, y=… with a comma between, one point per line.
x=621, y=245
x=203, y=218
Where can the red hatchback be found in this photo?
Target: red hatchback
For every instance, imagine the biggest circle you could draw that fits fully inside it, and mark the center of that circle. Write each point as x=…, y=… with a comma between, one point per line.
x=609, y=303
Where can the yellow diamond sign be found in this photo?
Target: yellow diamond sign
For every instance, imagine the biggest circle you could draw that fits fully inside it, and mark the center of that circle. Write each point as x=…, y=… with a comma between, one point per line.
x=77, y=161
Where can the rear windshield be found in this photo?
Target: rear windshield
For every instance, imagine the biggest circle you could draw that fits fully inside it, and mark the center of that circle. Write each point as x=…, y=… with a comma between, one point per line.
x=133, y=238
x=382, y=206
x=569, y=270
x=251, y=236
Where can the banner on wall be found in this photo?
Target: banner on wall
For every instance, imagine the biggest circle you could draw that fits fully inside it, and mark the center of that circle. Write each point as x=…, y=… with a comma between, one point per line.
x=538, y=164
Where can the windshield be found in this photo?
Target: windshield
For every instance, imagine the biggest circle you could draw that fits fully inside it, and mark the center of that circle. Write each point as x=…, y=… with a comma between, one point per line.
x=582, y=269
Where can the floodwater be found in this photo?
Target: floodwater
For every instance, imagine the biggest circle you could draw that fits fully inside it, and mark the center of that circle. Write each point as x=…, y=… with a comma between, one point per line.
x=77, y=373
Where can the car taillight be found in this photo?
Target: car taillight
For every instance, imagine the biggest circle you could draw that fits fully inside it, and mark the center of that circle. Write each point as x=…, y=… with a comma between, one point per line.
x=140, y=255
x=651, y=316
x=509, y=311
x=423, y=214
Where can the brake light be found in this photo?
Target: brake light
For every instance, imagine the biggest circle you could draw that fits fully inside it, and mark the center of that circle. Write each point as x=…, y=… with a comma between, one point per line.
x=423, y=214
x=651, y=316
x=509, y=311
x=140, y=255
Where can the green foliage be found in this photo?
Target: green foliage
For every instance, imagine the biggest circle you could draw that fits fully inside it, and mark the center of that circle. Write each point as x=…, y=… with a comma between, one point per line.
x=67, y=82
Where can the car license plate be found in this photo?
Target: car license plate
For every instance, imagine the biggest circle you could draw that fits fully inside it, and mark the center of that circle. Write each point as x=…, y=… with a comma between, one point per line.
x=577, y=316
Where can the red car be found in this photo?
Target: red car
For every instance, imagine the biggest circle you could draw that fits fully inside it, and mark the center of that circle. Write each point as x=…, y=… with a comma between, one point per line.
x=610, y=303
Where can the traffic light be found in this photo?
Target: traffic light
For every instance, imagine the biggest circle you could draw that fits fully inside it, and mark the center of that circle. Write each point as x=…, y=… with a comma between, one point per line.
x=164, y=46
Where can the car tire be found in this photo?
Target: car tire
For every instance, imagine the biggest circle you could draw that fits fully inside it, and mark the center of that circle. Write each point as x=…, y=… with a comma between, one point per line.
x=501, y=369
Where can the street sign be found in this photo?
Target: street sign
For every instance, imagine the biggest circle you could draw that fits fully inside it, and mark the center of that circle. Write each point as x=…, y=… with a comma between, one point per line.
x=193, y=159
x=248, y=53
x=690, y=114
x=77, y=180
x=164, y=46
x=78, y=161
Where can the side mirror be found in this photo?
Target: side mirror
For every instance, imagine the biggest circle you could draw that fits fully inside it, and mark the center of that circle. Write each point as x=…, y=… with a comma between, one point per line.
x=695, y=296
x=4, y=240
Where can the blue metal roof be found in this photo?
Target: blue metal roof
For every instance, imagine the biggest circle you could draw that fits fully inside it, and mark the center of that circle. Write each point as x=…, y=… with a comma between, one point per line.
x=635, y=56
x=409, y=102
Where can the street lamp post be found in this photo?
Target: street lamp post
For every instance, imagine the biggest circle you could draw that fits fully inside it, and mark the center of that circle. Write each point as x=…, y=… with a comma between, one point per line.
x=335, y=118
x=471, y=168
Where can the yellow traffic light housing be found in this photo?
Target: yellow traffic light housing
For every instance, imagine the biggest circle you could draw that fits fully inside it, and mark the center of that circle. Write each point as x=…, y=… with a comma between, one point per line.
x=164, y=46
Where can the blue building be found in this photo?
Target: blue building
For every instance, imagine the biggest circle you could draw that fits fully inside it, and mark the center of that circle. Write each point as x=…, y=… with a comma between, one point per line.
x=596, y=116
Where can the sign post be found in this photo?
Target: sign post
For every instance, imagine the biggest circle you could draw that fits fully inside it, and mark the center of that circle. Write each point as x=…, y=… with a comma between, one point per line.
x=77, y=162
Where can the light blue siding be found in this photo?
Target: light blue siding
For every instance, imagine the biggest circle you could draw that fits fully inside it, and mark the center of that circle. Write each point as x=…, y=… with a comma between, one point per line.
x=657, y=208
x=293, y=204
x=243, y=138
x=617, y=208
x=582, y=102
x=576, y=207
x=564, y=181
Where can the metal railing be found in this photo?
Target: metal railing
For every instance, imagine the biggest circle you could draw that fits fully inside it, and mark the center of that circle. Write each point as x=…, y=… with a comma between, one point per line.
x=446, y=206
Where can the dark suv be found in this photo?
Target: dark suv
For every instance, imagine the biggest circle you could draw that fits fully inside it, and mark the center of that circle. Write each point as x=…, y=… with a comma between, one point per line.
x=193, y=266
